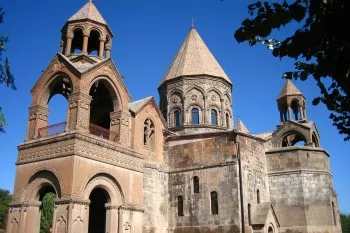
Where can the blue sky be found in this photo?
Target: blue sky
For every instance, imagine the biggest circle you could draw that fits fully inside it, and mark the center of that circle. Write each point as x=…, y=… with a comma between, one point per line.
x=147, y=35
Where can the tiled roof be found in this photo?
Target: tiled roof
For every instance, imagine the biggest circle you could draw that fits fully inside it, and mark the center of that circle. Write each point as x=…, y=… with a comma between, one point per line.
x=88, y=11
x=289, y=89
x=265, y=135
x=194, y=58
x=137, y=105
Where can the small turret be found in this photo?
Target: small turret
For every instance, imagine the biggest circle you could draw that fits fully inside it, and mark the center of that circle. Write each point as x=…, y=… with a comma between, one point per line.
x=86, y=32
x=291, y=103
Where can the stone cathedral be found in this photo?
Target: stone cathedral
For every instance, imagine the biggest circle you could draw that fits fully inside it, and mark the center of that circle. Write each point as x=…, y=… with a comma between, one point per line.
x=118, y=166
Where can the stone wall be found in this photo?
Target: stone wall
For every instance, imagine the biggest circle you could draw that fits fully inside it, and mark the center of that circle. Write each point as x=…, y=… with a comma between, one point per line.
x=213, y=160
x=301, y=189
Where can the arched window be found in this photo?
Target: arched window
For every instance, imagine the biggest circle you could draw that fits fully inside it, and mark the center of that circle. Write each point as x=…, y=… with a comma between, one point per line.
x=180, y=206
x=195, y=116
x=270, y=230
x=249, y=215
x=214, y=202
x=296, y=109
x=177, y=118
x=214, y=117
x=94, y=43
x=77, y=42
x=334, y=214
x=258, y=196
x=149, y=134
x=196, y=184
x=227, y=120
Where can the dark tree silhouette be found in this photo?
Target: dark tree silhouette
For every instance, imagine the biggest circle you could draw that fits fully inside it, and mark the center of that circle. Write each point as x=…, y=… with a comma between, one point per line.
x=320, y=46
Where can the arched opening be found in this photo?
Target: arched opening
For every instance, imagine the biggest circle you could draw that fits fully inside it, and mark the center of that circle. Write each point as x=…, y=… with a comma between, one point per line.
x=334, y=215
x=57, y=93
x=177, y=118
x=295, y=108
x=214, y=117
x=214, y=202
x=293, y=139
x=195, y=116
x=47, y=209
x=227, y=120
x=100, y=108
x=180, y=206
x=77, y=42
x=97, y=213
x=258, y=196
x=195, y=184
x=94, y=43
x=270, y=230
x=249, y=215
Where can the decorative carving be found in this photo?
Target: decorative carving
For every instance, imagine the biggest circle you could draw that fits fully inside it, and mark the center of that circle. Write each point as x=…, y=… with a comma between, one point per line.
x=194, y=97
x=213, y=97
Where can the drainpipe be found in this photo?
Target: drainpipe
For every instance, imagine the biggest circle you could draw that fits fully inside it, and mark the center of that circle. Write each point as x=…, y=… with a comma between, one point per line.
x=240, y=183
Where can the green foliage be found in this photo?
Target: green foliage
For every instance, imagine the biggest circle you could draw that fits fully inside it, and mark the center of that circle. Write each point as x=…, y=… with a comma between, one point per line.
x=5, y=200
x=47, y=207
x=345, y=222
x=6, y=76
x=320, y=46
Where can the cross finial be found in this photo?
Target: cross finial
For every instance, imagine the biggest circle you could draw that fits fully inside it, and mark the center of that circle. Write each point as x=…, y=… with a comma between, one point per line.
x=192, y=25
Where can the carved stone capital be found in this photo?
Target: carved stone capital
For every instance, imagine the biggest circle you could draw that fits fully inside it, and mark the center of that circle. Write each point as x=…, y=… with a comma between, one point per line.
x=38, y=111
x=66, y=201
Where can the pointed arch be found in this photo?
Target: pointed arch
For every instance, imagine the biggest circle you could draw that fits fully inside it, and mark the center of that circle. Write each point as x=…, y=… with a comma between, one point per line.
x=214, y=89
x=195, y=87
x=58, y=83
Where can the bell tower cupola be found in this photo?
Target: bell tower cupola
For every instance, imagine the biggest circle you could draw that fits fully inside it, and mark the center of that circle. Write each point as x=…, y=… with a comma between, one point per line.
x=291, y=103
x=86, y=32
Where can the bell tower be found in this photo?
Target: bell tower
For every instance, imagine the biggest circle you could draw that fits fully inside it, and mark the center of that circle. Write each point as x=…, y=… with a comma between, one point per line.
x=86, y=32
x=89, y=161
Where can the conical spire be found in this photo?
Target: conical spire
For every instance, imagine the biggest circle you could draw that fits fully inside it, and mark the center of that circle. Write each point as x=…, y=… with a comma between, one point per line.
x=241, y=127
x=289, y=89
x=88, y=11
x=194, y=58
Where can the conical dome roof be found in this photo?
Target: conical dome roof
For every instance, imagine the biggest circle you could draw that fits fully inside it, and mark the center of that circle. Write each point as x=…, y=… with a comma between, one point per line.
x=289, y=89
x=194, y=58
x=88, y=11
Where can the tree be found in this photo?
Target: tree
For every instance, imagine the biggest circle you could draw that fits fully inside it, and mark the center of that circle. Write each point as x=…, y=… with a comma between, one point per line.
x=5, y=200
x=47, y=208
x=6, y=76
x=345, y=222
x=320, y=46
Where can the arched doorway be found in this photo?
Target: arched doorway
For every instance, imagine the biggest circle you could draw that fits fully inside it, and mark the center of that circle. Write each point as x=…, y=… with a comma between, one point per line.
x=97, y=213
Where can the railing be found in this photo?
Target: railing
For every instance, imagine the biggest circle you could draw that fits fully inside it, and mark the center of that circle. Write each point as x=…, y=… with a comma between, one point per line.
x=99, y=131
x=52, y=130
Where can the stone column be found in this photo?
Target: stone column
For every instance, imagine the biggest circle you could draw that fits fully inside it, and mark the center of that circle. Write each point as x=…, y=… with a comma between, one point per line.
x=102, y=47
x=85, y=42
x=205, y=112
x=290, y=113
x=222, y=121
x=112, y=218
x=32, y=218
x=79, y=112
x=38, y=117
x=119, y=127
x=69, y=37
x=301, y=113
x=108, y=50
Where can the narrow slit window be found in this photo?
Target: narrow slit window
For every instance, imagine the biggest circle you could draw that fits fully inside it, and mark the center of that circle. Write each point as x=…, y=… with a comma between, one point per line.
x=195, y=116
x=258, y=196
x=227, y=120
x=334, y=215
x=214, y=203
x=177, y=118
x=196, y=184
x=214, y=117
x=180, y=206
x=249, y=215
